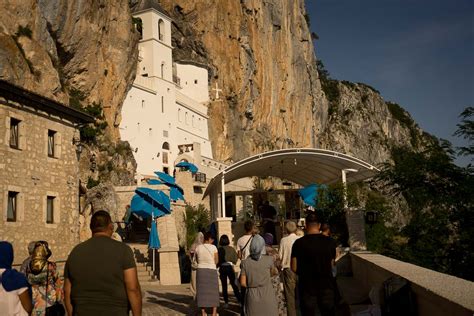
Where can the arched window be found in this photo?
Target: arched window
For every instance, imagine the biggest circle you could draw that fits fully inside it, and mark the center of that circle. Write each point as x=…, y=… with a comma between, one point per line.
x=186, y=118
x=138, y=26
x=161, y=30
x=165, y=147
x=179, y=115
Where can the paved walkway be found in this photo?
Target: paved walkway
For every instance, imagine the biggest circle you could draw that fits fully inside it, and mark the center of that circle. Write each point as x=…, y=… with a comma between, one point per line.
x=177, y=300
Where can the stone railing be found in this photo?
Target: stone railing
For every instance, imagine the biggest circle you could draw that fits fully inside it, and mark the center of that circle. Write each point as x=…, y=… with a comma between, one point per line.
x=434, y=293
x=145, y=83
x=191, y=104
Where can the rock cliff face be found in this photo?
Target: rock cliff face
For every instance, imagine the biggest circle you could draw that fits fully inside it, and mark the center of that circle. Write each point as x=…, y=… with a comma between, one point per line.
x=78, y=52
x=362, y=124
x=261, y=55
x=59, y=47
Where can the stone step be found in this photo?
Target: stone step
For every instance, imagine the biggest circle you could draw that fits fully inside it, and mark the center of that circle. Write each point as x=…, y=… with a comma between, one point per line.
x=144, y=268
x=144, y=274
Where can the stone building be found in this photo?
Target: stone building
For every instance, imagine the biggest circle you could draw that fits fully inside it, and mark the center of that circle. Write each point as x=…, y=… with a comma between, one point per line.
x=39, y=183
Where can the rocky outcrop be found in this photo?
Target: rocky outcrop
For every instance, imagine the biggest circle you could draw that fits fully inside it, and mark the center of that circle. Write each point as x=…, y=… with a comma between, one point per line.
x=80, y=53
x=261, y=55
x=64, y=48
x=362, y=124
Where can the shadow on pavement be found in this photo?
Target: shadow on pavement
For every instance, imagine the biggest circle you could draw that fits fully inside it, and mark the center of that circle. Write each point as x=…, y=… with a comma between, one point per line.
x=177, y=302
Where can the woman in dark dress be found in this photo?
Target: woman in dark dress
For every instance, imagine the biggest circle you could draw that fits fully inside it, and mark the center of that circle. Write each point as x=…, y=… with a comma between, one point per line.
x=227, y=260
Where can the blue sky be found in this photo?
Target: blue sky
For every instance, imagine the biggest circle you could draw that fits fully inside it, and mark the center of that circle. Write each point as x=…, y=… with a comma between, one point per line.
x=418, y=53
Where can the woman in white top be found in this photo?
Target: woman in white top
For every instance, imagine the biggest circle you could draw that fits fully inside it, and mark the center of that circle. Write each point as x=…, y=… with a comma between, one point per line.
x=15, y=297
x=206, y=280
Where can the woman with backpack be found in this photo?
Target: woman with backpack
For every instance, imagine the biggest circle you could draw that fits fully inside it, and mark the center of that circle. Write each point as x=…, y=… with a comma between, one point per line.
x=45, y=282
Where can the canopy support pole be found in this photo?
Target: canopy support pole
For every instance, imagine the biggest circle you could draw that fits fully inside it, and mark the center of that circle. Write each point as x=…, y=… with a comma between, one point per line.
x=344, y=188
x=154, y=250
x=223, y=194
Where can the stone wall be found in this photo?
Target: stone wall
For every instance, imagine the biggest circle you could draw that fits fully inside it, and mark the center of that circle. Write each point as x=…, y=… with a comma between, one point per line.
x=34, y=175
x=435, y=293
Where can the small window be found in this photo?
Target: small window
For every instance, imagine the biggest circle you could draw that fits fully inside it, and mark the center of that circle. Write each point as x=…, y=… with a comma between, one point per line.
x=165, y=157
x=166, y=170
x=161, y=30
x=192, y=120
x=166, y=146
x=143, y=104
x=186, y=118
x=195, y=81
x=179, y=115
x=12, y=206
x=14, y=133
x=162, y=71
x=139, y=26
x=51, y=141
x=50, y=209
x=162, y=104
x=165, y=133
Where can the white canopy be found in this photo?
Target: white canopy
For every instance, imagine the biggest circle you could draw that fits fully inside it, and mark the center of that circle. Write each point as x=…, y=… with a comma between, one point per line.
x=302, y=166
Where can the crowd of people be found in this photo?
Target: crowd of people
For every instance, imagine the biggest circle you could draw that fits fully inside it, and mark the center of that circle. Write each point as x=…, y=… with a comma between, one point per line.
x=100, y=275
x=299, y=276
x=100, y=278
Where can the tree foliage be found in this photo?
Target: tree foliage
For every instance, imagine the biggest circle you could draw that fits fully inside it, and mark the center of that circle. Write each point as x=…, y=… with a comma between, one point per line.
x=197, y=220
x=466, y=131
x=439, y=234
x=330, y=208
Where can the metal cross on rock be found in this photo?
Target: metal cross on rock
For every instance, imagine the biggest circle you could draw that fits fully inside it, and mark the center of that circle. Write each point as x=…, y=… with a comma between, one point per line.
x=217, y=91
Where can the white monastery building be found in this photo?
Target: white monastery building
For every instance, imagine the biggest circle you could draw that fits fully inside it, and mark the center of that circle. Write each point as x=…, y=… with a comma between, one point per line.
x=165, y=111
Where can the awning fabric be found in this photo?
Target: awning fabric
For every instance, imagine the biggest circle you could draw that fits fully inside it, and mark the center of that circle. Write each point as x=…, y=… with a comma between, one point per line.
x=302, y=166
x=188, y=166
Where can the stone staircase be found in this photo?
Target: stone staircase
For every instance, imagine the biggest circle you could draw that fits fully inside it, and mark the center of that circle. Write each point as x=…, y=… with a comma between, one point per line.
x=144, y=265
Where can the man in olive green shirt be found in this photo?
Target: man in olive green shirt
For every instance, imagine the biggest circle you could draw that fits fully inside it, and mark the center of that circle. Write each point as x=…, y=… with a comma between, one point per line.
x=100, y=276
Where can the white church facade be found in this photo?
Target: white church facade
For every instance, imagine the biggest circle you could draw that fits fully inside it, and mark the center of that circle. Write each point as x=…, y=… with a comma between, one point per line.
x=165, y=112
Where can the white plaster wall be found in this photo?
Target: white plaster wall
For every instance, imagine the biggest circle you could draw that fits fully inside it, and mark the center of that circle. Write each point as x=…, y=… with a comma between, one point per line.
x=194, y=82
x=143, y=126
x=188, y=133
x=154, y=51
x=144, y=119
x=150, y=25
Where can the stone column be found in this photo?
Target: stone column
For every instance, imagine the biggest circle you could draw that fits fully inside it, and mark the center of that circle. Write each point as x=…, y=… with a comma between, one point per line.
x=224, y=227
x=168, y=253
x=356, y=227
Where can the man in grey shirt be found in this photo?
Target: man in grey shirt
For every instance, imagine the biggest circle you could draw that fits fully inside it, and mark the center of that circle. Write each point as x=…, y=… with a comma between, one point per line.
x=100, y=276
